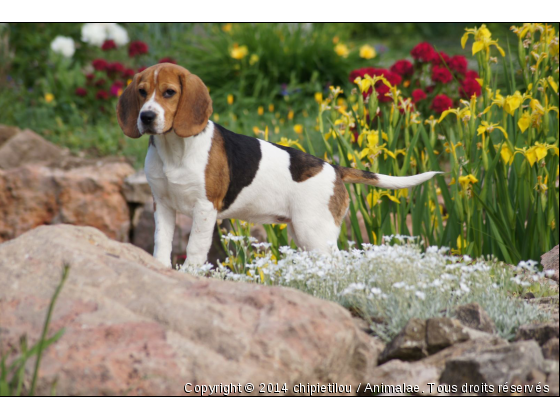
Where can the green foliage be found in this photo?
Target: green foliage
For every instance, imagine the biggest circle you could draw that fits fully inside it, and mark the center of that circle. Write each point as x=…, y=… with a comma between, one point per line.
x=29, y=45
x=12, y=374
x=501, y=145
x=271, y=59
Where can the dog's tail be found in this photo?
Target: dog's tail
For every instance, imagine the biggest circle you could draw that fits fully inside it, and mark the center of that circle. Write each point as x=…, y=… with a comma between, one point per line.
x=356, y=176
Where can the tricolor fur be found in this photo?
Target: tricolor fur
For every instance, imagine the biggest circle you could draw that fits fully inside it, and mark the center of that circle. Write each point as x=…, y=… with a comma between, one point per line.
x=199, y=168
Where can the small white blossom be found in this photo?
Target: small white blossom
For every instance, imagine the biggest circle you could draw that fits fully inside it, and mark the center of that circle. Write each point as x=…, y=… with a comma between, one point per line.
x=97, y=33
x=63, y=45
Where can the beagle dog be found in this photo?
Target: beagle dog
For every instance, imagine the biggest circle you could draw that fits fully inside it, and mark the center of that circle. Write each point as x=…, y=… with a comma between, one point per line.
x=197, y=167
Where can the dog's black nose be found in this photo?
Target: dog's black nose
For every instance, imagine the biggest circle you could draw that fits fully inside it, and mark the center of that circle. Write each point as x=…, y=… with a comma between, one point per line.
x=147, y=117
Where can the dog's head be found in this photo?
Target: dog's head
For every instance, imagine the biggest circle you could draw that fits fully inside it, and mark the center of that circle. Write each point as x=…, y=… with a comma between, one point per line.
x=162, y=98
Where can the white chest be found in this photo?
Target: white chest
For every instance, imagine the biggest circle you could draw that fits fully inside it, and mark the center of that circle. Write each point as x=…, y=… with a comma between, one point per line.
x=175, y=169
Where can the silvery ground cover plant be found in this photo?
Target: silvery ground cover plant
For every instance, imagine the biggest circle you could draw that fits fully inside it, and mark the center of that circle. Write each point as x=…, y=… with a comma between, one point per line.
x=389, y=284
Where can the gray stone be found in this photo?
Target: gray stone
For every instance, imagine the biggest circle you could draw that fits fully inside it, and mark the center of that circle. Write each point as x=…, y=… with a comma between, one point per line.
x=444, y=332
x=541, y=332
x=494, y=366
x=472, y=315
x=397, y=372
x=409, y=344
x=136, y=188
x=550, y=349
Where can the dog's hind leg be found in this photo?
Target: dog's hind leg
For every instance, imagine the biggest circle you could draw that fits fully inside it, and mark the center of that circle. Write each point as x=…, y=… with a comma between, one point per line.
x=318, y=234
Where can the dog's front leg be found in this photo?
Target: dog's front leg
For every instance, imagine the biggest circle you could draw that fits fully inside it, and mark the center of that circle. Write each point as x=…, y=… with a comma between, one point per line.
x=165, y=227
x=200, y=239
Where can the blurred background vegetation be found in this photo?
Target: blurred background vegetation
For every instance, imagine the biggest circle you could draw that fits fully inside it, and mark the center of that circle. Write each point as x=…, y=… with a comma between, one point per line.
x=372, y=96
x=273, y=84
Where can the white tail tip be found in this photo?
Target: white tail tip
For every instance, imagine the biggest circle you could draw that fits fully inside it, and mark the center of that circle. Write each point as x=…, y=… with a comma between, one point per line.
x=399, y=182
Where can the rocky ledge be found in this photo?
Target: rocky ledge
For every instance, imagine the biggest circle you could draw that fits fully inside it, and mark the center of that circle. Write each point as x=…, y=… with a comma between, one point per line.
x=133, y=327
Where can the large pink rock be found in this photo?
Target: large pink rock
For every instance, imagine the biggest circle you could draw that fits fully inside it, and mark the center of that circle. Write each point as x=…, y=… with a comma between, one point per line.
x=32, y=195
x=133, y=327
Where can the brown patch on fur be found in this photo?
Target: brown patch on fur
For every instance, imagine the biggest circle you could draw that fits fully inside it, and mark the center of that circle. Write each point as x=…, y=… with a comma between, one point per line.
x=309, y=171
x=283, y=219
x=356, y=176
x=194, y=108
x=155, y=206
x=128, y=108
x=217, y=172
x=339, y=201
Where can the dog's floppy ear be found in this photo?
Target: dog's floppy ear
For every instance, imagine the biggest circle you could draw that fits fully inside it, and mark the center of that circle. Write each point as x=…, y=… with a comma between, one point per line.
x=195, y=106
x=128, y=108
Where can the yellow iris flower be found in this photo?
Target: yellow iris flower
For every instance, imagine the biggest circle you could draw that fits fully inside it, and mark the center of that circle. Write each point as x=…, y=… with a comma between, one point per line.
x=372, y=148
x=522, y=31
x=239, y=52
x=486, y=127
x=289, y=143
x=367, y=52
x=253, y=59
x=512, y=102
x=482, y=40
x=374, y=197
x=341, y=50
x=506, y=153
x=537, y=152
x=462, y=114
x=467, y=180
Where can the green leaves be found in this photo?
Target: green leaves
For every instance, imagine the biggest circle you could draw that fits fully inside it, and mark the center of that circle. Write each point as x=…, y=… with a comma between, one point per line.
x=11, y=377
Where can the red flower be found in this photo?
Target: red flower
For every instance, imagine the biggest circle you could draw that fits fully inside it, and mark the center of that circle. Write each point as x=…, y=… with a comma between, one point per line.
x=403, y=68
x=90, y=77
x=167, y=60
x=442, y=103
x=99, y=64
x=471, y=74
x=439, y=59
x=141, y=69
x=418, y=95
x=117, y=88
x=115, y=68
x=128, y=73
x=470, y=87
x=458, y=64
x=81, y=91
x=441, y=74
x=109, y=45
x=423, y=52
x=137, y=48
x=101, y=94
x=99, y=82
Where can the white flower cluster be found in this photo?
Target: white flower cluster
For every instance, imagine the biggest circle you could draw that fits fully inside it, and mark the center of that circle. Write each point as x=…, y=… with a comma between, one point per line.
x=63, y=45
x=97, y=33
x=396, y=283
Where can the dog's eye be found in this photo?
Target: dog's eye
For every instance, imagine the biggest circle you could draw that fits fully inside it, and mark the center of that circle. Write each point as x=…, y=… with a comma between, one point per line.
x=169, y=93
x=143, y=93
